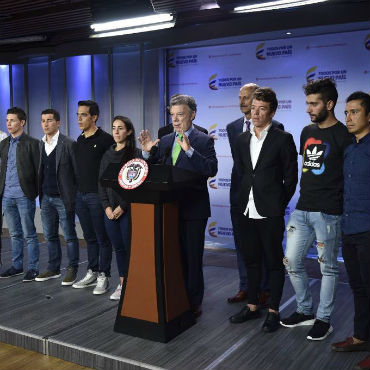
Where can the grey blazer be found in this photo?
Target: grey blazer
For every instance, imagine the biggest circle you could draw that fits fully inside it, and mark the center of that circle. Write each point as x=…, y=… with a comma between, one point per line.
x=66, y=171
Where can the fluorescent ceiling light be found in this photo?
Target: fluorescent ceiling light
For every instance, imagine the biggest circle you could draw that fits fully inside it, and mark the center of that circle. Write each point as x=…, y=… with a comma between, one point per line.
x=132, y=22
x=19, y=40
x=273, y=5
x=130, y=31
x=209, y=4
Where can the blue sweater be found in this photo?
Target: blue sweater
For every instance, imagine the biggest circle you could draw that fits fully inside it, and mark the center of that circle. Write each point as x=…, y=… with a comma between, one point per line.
x=356, y=170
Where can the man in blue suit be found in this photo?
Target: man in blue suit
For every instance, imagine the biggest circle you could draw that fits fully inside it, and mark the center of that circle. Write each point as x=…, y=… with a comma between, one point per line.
x=234, y=129
x=190, y=149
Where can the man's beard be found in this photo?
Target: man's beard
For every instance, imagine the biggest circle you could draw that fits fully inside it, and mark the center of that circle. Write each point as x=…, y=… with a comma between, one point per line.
x=321, y=117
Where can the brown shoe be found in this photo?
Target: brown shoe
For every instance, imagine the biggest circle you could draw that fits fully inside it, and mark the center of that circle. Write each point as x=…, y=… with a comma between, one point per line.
x=239, y=297
x=263, y=298
x=349, y=345
x=364, y=364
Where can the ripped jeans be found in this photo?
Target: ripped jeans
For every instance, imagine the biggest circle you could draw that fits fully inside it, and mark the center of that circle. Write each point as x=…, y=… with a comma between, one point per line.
x=302, y=229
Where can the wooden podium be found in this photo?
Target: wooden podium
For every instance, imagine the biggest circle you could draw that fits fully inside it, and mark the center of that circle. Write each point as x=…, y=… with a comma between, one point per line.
x=154, y=303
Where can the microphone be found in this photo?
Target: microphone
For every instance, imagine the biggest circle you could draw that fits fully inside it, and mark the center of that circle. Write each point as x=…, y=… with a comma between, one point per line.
x=166, y=154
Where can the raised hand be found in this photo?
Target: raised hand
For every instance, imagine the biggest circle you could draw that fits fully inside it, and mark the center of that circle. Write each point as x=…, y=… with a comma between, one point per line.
x=146, y=141
x=185, y=143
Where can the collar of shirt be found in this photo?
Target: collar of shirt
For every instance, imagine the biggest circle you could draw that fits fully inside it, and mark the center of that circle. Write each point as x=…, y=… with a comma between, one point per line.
x=263, y=132
x=247, y=124
x=49, y=147
x=15, y=139
x=187, y=133
x=53, y=139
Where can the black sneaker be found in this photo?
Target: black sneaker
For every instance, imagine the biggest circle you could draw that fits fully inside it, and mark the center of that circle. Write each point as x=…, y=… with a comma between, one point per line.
x=271, y=323
x=30, y=275
x=320, y=330
x=297, y=319
x=10, y=272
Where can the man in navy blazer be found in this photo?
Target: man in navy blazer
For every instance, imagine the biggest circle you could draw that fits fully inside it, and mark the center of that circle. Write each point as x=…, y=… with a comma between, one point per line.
x=190, y=149
x=234, y=129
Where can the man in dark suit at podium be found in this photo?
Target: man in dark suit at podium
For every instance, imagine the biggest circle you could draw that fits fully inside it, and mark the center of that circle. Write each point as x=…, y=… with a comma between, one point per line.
x=190, y=149
x=234, y=129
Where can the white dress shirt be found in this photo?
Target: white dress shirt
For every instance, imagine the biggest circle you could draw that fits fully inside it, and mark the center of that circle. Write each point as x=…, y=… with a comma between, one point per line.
x=49, y=147
x=255, y=147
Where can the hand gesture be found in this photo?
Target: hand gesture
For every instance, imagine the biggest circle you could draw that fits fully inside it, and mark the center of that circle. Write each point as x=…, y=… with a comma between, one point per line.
x=146, y=141
x=185, y=143
x=118, y=212
x=109, y=213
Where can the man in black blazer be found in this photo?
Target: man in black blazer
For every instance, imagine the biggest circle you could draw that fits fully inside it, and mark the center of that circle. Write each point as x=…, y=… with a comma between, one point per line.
x=234, y=129
x=190, y=149
x=267, y=158
x=19, y=158
x=57, y=179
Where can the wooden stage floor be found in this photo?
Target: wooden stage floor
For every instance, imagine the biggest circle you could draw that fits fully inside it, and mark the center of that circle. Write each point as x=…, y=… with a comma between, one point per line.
x=74, y=325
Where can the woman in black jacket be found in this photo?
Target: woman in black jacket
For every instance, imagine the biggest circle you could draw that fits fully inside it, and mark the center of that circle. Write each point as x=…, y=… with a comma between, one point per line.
x=116, y=209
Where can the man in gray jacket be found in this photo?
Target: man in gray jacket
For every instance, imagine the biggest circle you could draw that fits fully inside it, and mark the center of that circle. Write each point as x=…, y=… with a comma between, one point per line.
x=19, y=157
x=57, y=192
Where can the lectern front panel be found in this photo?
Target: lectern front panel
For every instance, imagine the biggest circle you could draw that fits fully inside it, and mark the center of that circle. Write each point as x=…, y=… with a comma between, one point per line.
x=140, y=301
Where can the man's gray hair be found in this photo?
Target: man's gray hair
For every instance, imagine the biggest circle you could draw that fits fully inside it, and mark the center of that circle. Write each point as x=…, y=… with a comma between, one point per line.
x=179, y=99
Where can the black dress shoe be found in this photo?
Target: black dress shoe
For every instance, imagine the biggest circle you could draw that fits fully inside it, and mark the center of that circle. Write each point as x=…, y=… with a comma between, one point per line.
x=272, y=322
x=244, y=315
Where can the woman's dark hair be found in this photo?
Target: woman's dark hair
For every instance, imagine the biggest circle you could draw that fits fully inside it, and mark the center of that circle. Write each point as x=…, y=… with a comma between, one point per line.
x=130, y=139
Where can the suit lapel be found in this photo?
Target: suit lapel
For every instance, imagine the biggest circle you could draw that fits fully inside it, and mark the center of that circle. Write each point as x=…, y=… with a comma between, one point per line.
x=239, y=128
x=267, y=143
x=248, y=159
x=59, y=149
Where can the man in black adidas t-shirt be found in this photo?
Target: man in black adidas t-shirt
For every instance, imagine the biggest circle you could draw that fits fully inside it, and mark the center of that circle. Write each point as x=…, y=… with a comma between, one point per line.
x=319, y=208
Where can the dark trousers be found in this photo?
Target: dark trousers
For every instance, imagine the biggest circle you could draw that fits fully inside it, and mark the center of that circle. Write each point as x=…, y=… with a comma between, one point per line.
x=243, y=279
x=356, y=255
x=91, y=215
x=262, y=239
x=192, y=248
x=117, y=232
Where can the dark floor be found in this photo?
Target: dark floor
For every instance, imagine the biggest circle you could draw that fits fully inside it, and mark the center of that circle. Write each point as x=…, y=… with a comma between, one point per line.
x=77, y=326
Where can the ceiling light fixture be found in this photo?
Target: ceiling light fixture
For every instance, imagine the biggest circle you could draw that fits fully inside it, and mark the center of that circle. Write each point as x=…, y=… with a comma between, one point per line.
x=129, y=31
x=209, y=4
x=132, y=22
x=274, y=5
x=20, y=40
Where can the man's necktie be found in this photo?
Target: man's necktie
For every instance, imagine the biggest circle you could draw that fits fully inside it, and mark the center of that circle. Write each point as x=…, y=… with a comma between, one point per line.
x=176, y=149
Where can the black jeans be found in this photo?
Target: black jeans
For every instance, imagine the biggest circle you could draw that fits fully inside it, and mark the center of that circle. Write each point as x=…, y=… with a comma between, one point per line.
x=262, y=239
x=356, y=255
x=91, y=215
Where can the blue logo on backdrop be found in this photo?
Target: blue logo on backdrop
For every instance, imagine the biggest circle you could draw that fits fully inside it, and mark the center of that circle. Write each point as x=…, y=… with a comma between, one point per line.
x=335, y=74
x=265, y=52
x=215, y=83
x=181, y=60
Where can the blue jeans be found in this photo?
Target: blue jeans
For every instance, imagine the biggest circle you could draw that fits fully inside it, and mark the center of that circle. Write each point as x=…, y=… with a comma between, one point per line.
x=53, y=212
x=302, y=229
x=91, y=215
x=117, y=231
x=20, y=215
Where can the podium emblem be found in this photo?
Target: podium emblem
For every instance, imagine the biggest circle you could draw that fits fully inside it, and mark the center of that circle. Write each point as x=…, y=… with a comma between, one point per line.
x=133, y=173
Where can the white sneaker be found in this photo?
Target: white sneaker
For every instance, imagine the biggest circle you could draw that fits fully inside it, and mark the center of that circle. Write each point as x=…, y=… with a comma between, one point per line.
x=88, y=280
x=102, y=285
x=117, y=293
